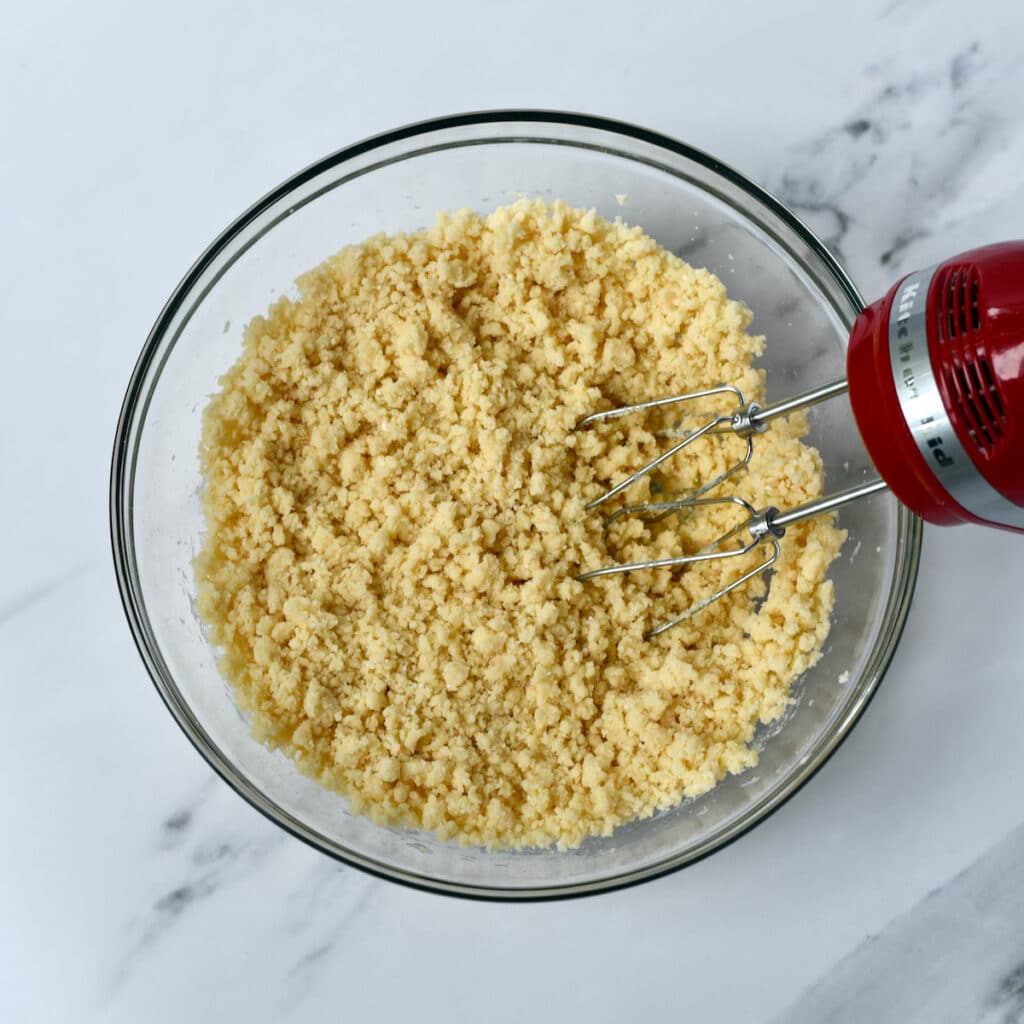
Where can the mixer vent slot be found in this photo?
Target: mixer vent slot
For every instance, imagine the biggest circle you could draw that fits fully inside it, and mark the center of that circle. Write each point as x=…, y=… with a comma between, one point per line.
x=959, y=303
x=969, y=378
x=991, y=389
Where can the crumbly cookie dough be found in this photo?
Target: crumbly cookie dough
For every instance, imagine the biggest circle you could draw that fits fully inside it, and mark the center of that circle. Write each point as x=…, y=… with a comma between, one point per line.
x=395, y=513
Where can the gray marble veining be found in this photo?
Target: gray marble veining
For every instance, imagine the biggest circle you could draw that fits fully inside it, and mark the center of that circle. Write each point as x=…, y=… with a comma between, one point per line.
x=956, y=957
x=895, y=159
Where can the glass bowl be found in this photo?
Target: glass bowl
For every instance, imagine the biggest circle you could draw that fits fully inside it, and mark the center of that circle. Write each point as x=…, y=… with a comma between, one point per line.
x=693, y=205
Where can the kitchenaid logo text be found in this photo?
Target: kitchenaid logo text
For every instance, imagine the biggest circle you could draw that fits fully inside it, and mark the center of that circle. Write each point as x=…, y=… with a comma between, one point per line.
x=903, y=313
x=906, y=300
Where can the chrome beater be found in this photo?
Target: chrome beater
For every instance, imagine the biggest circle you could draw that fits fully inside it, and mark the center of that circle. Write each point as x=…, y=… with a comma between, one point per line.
x=764, y=526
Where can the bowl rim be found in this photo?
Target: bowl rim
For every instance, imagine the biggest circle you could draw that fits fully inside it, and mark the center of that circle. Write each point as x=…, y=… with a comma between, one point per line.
x=909, y=535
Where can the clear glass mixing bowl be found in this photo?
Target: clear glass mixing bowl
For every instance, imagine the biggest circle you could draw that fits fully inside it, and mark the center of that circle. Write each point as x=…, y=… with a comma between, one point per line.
x=708, y=214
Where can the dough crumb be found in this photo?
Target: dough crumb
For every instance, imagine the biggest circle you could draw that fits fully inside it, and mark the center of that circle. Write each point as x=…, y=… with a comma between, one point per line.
x=394, y=500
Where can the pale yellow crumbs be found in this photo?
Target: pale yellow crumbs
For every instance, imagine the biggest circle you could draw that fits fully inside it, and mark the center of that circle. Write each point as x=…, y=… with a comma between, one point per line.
x=395, y=515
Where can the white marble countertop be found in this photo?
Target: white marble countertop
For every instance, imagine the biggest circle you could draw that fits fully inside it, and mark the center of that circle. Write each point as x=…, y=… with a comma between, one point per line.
x=134, y=886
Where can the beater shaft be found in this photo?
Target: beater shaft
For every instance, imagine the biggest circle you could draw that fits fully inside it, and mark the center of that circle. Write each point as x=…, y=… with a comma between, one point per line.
x=762, y=415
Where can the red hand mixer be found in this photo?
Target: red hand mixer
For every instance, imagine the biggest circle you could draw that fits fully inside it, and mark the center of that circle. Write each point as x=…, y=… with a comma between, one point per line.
x=935, y=374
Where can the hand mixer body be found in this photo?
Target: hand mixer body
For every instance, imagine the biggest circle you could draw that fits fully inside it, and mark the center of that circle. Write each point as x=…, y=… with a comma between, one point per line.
x=936, y=379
